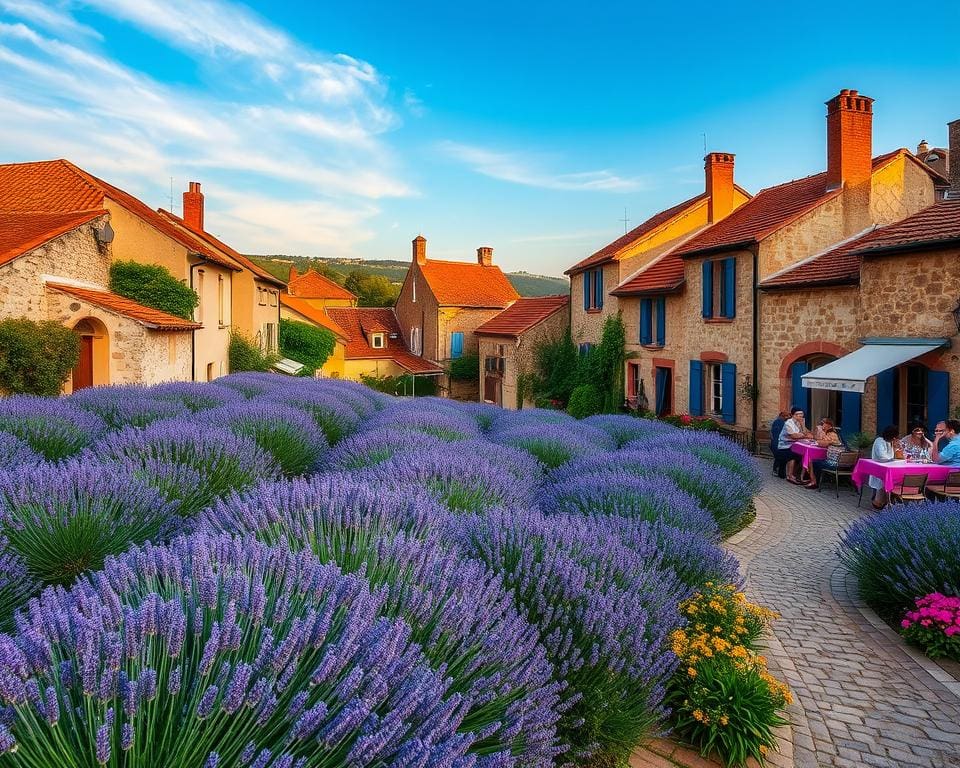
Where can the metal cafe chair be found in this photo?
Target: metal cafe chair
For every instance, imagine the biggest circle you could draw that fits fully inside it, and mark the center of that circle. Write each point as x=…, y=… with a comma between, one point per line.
x=948, y=489
x=912, y=488
x=843, y=468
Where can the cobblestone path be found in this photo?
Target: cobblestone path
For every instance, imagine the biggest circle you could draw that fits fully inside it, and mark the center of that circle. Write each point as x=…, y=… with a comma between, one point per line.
x=862, y=698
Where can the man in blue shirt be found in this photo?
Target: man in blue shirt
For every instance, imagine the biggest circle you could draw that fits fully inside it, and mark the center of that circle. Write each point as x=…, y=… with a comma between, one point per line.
x=779, y=466
x=950, y=453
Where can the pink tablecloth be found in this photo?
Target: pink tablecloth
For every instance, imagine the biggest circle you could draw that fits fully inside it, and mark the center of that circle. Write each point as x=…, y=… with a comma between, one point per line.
x=808, y=453
x=892, y=472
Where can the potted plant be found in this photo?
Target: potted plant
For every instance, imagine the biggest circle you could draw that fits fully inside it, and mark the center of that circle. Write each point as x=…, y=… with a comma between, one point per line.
x=861, y=442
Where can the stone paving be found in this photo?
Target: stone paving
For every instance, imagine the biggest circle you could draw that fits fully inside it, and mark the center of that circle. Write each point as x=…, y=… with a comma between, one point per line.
x=862, y=698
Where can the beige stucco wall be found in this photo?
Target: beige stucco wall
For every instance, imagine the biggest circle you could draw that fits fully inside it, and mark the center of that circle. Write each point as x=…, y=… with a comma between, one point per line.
x=354, y=369
x=899, y=190
x=250, y=316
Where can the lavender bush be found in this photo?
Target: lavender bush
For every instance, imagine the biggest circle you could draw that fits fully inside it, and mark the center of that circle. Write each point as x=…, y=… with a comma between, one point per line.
x=289, y=435
x=623, y=429
x=16, y=584
x=459, y=611
x=904, y=552
x=251, y=384
x=335, y=417
x=372, y=448
x=602, y=615
x=552, y=444
x=436, y=421
x=217, y=652
x=194, y=395
x=55, y=429
x=14, y=452
x=65, y=519
x=191, y=463
x=126, y=406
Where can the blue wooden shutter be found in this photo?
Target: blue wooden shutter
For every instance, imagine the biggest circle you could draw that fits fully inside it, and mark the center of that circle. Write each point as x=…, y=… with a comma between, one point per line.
x=799, y=397
x=728, y=381
x=708, y=289
x=696, y=388
x=586, y=290
x=661, y=391
x=661, y=321
x=646, y=336
x=598, y=288
x=885, y=398
x=938, y=397
x=849, y=414
x=730, y=287
x=456, y=344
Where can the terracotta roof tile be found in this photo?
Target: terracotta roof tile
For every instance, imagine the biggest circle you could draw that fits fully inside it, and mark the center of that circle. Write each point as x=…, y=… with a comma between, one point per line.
x=466, y=284
x=522, y=315
x=151, y=318
x=314, y=314
x=775, y=207
x=22, y=232
x=60, y=186
x=313, y=285
x=936, y=225
x=353, y=320
x=661, y=276
x=608, y=252
x=212, y=240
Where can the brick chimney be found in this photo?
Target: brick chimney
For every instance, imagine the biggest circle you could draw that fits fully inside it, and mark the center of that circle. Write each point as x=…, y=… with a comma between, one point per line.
x=485, y=256
x=953, y=171
x=293, y=274
x=420, y=250
x=193, y=207
x=922, y=148
x=718, y=169
x=849, y=139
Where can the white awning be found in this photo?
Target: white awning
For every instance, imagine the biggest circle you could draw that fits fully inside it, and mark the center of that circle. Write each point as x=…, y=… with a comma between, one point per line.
x=850, y=372
x=288, y=366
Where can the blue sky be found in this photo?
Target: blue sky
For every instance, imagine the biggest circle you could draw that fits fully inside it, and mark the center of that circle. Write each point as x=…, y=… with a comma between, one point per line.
x=344, y=129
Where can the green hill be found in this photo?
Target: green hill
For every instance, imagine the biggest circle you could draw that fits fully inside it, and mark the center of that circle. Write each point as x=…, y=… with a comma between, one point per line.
x=338, y=269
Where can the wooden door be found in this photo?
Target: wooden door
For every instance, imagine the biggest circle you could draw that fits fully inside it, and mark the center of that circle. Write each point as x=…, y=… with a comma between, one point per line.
x=491, y=389
x=83, y=373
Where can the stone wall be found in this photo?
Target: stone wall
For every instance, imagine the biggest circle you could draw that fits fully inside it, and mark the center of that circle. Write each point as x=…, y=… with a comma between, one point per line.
x=587, y=325
x=674, y=348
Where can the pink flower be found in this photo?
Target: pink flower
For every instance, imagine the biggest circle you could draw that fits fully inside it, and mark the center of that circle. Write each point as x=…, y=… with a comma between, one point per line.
x=906, y=623
x=951, y=631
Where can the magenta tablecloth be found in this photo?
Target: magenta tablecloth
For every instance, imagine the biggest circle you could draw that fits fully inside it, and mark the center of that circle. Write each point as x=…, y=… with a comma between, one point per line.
x=892, y=472
x=808, y=453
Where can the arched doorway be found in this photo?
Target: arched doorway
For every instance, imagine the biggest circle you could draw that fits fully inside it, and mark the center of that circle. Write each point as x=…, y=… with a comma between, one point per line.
x=911, y=393
x=93, y=366
x=816, y=403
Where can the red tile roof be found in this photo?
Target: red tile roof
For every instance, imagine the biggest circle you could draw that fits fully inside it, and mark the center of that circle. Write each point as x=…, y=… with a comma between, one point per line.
x=775, y=207
x=22, y=232
x=151, y=318
x=522, y=315
x=354, y=319
x=935, y=226
x=313, y=285
x=466, y=284
x=662, y=275
x=251, y=266
x=60, y=186
x=608, y=252
x=314, y=314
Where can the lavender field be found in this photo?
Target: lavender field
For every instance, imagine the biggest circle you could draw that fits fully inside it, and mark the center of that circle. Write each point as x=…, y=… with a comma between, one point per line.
x=276, y=572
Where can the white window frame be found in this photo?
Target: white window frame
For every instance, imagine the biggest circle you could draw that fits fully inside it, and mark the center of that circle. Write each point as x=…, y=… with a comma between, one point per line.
x=377, y=341
x=713, y=388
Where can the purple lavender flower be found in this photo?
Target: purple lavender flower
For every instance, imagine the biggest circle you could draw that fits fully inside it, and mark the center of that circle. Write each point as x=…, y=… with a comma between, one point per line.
x=63, y=519
x=554, y=444
x=216, y=461
x=289, y=435
x=622, y=429
x=16, y=584
x=126, y=406
x=252, y=384
x=329, y=627
x=334, y=416
x=432, y=416
x=53, y=428
x=194, y=395
x=14, y=452
x=371, y=448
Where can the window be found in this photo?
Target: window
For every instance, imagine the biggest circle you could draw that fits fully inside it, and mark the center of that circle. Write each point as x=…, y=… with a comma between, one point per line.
x=261, y=297
x=414, y=282
x=494, y=365
x=199, y=310
x=653, y=320
x=456, y=345
x=714, y=388
x=210, y=374
x=585, y=348
x=220, y=301
x=273, y=298
x=268, y=337
x=593, y=290
x=719, y=288
x=377, y=341
x=415, y=340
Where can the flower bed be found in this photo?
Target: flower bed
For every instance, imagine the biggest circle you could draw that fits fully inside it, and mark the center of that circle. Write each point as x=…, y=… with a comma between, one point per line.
x=377, y=581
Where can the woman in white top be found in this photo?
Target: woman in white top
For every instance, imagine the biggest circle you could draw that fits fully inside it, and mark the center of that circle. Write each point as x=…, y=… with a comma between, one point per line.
x=883, y=450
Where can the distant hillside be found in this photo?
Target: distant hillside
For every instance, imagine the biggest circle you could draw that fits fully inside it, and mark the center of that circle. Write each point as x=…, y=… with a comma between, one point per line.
x=338, y=269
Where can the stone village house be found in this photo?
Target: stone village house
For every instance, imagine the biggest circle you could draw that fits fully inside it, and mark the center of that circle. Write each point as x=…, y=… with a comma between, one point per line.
x=233, y=292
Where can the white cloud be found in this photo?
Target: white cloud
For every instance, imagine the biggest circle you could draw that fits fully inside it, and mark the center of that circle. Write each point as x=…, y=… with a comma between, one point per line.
x=289, y=133
x=519, y=169
x=414, y=103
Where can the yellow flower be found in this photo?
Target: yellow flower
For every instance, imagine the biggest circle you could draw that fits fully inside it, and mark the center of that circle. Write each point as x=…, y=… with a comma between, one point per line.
x=763, y=749
x=698, y=716
x=724, y=719
x=691, y=671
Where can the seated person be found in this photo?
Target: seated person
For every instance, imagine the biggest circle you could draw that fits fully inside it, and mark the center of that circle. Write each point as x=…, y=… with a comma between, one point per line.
x=793, y=430
x=951, y=452
x=916, y=443
x=884, y=448
x=776, y=427
x=827, y=437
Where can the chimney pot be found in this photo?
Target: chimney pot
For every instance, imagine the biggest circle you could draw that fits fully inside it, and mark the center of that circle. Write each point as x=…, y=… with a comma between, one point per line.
x=420, y=250
x=193, y=207
x=485, y=256
x=923, y=147
x=718, y=172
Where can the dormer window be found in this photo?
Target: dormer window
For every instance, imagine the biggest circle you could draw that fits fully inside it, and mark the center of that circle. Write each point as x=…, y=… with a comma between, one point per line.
x=933, y=157
x=377, y=341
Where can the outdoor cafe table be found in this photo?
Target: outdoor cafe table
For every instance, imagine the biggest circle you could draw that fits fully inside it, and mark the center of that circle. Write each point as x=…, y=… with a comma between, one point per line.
x=892, y=472
x=809, y=452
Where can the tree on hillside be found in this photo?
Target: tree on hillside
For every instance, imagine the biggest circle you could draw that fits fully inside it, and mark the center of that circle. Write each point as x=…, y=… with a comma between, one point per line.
x=371, y=290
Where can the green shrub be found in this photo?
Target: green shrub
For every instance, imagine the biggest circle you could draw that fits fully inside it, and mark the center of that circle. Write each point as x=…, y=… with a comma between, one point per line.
x=245, y=355
x=36, y=358
x=425, y=386
x=153, y=286
x=372, y=290
x=585, y=400
x=306, y=343
x=466, y=368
